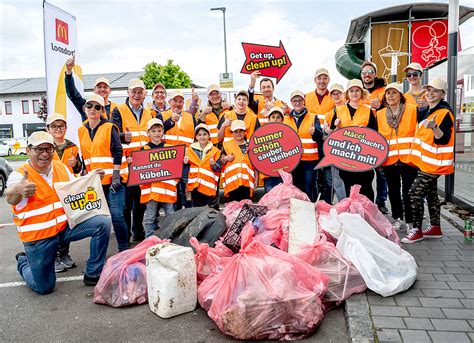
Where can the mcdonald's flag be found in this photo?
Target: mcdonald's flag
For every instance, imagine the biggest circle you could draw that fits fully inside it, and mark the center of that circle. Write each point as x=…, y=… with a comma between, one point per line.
x=60, y=43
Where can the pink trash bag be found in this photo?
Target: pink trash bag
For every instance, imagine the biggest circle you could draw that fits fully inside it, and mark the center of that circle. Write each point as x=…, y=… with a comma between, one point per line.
x=207, y=258
x=344, y=278
x=232, y=210
x=264, y=293
x=123, y=279
x=280, y=195
x=358, y=203
x=273, y=228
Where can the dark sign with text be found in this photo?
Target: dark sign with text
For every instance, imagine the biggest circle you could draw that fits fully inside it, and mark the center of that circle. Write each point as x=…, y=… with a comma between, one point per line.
x=354, y=149
x=156, y=165
x=273, y=147
x=271, y=61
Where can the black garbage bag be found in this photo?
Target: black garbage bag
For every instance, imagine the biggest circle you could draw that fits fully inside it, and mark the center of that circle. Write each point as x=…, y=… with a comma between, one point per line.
x=204, y=223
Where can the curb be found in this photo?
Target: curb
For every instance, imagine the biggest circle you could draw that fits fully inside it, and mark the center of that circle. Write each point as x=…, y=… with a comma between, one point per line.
x=453, y=219
x=358, y=319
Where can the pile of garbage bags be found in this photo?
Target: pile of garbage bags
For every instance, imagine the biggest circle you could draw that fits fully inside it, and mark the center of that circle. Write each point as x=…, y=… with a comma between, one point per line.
x=261, y=291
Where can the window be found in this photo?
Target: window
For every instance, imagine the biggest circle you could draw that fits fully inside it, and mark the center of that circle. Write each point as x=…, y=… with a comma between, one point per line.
x=36, y=106
x=8, y=107
x=25, y=106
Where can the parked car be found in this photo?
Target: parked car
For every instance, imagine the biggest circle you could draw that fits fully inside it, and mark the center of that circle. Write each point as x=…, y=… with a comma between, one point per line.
x=5, y=170
x=5, y=149
x=17, y=145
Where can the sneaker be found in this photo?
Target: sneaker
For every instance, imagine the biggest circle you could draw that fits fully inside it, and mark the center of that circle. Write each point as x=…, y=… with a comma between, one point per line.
x=383, y=209
x=17, y=256
x=91, y=281
x=67, y=261
x=58, y=267
x=399, y=224
x=433, y=231
x=415, y=235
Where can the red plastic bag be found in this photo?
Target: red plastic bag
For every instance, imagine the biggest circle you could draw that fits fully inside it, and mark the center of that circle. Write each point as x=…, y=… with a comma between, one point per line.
x=358, y=203
x=232, y=210
x=123, y=279
x=265, y=293
x=280, y=195
x=207, y=258
x=344, y=278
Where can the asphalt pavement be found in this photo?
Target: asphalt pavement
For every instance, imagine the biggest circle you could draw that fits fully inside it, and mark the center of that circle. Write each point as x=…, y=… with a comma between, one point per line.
x=69, y=314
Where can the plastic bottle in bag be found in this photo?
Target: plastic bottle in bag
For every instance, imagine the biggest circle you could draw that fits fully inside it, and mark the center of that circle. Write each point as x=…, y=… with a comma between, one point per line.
x=171, y=279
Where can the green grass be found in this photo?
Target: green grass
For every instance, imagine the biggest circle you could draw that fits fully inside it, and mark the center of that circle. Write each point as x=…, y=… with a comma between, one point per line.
x=17, y=158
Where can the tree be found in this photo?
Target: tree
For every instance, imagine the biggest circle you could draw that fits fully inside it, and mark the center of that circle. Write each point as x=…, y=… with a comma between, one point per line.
x=170, y=75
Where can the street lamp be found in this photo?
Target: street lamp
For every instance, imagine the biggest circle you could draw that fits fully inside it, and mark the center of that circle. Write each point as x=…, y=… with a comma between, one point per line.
x=225, y=39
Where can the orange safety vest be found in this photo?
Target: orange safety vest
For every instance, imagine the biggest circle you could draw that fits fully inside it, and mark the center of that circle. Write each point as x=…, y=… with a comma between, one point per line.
x=310, y=147
x=411, y=99
x=113, y=106
x=160, y=191
x=261, y=105
x=399, y=141
x=138, y=130
x=376, y=93
x=430, y=157
x=313, y=105
x=97, y=154
x=184, y=134
x=43, y=215
x=201, y=175
x=211, y=121
x=239, y=172
x=70, y=151
x=250, y=120
x=361, y=116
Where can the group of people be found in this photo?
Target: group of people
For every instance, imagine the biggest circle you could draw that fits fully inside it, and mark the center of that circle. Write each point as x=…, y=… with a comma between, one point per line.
x=418, y=126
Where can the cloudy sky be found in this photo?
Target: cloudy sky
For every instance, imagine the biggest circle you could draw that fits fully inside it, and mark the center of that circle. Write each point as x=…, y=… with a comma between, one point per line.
x=117, y=36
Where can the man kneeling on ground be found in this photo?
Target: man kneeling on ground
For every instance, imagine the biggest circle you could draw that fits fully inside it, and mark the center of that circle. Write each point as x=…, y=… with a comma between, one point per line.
x=41, y=221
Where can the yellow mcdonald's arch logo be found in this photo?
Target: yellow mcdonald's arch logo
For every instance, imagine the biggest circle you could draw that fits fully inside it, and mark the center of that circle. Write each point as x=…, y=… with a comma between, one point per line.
x=62, y=32
x=61, y=97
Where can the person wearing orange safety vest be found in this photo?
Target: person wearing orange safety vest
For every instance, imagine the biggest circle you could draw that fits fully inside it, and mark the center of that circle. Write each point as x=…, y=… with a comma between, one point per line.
x=101, y=149
x=213, y=111
x=432, y=151
x=320, y=101
x=68, y=153
x=376, y=88
x=131, y=118
x=41, y=220
x=397, y=123
x=309, y=130
x=355, y=113
x=332, y=180
x=242, y=112
x=416, y=93
x=101, y=87
x=203, y=178
x=160, y=193
x=239, y=179
x=179, y=129
x=260, y=104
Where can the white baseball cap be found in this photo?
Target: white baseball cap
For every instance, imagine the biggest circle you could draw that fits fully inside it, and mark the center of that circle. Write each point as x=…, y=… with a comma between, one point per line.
x=438, y=84
x=136, y=83
x=55, y=116
x=238, y=125
x=40, y=137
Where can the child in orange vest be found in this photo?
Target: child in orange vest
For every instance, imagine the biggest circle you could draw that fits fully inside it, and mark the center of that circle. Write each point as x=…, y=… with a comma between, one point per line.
x=203, y=177
x=156, y=194
x=238, y=176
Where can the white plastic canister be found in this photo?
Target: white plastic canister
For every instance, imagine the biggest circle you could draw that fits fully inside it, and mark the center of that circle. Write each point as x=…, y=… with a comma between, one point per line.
x=171, y=279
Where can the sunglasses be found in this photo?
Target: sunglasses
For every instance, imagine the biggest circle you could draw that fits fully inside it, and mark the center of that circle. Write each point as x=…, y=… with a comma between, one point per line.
x=368, y=72
x=414, y=74
x=96, y=107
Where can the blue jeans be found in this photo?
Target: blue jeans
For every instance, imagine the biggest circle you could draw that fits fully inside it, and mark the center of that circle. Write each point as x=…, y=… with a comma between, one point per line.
x=116, y=201
x=152, y=213
x=37, y=267
x=270, y=182
x=382, y=188
x=304, y=177
x=338, y=184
